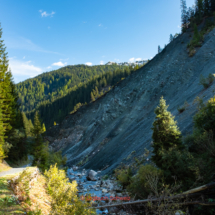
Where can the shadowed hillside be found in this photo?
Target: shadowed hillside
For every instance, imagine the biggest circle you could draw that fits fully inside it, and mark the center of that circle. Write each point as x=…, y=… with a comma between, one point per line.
x=109, y=129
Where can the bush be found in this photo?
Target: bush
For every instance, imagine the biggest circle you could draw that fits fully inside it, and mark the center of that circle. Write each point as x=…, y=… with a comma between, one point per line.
x=204, y=120
x=124, y=176
x=183, y=108
x=141, y=186
x=206, y=82
x=64, y=194
x=56, y=158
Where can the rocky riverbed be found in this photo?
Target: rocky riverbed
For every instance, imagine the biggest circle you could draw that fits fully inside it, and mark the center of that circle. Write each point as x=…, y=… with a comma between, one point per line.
x=102, y=191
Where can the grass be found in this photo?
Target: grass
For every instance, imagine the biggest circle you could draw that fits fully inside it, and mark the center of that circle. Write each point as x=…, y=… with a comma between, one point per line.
x=8, y=202
x=30, y=189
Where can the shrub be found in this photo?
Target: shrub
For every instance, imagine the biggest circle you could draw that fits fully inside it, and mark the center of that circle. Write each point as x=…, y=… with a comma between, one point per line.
x=124, y=176
x=56, y=158
x=183, y=108
x=204, y=119
x=206, y=82
x=140, y=185
x=64, y=194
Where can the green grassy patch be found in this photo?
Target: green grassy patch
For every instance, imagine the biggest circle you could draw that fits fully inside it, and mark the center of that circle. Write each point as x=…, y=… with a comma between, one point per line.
x=8, y=201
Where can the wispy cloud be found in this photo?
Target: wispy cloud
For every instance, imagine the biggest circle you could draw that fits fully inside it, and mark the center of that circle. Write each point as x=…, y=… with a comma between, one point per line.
x=45, y=14
x=23, y=68
x=60, y=64
x=101, y=62
x=26, y=44
x=64, y=59
x=100, y=25
x=117, y=60
x=88, y=64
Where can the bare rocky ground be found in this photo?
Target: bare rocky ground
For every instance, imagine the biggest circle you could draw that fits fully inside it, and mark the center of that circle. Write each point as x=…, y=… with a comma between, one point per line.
x=103, y=133
x=102, y=192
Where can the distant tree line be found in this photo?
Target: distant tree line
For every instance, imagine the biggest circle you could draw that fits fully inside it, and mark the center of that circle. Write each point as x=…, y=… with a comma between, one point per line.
x=57, y=110
x=55, y=84
x=194, y=15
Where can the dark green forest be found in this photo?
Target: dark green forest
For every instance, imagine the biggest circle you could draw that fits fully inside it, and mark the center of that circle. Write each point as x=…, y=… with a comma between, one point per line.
x=52, y=85
x=57, y=109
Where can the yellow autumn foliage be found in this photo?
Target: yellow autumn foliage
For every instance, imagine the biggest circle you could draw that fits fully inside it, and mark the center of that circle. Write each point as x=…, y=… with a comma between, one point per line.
x=64, y=194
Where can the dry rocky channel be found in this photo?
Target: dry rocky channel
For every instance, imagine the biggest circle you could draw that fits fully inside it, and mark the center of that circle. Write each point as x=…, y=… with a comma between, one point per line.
x=106, y=191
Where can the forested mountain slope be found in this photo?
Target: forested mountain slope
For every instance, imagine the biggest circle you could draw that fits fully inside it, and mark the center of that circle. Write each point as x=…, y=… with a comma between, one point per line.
x=54, y=111
x=107, y=131
x=50, y=86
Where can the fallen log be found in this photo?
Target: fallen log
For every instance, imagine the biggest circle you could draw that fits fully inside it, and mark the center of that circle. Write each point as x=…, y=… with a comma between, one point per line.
x=189, y=193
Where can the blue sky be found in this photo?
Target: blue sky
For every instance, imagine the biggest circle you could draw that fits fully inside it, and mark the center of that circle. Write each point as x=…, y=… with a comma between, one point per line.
x=44, y=35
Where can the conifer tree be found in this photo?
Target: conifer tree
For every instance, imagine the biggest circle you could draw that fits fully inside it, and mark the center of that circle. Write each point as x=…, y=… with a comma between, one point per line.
x=92, y=97
x=207, y=7
x=200, y=7
x=44, y=128
x=26, y=125
x=39, y=149
x=171, y=38
x=212, y=5
x=184, y=17
x=159, y=49
x=165, y=132
x=1, y=136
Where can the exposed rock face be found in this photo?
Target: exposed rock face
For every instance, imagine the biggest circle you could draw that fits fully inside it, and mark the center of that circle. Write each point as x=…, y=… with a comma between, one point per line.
x=106, y=131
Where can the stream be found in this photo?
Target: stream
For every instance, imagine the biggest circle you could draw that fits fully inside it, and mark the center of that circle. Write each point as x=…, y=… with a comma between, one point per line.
x=104, y=191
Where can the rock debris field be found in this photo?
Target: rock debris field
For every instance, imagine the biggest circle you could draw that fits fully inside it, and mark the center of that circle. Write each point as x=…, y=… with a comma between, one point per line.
x=104, y=133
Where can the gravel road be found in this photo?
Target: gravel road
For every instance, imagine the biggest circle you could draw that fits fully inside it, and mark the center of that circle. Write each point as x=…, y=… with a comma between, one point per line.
x=11, y=171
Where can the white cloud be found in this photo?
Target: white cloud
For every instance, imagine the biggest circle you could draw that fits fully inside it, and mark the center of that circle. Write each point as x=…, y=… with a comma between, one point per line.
x=48, y=67
x=49, y=27
x=59, y=64
x=24, y=57
x=100, y=25
x=138, y=59
x=131, y=60
x=117, y=60
x=101, y=62
x=88, y=64
x=45, y=14
x=21, y=68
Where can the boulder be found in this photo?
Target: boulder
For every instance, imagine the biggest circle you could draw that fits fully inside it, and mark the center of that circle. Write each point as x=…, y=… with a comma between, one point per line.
x=91, y=175
x=104, y=190
x=75, y=168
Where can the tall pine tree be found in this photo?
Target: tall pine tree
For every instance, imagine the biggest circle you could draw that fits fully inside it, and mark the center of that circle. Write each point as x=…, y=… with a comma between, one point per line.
x=165, y=132
x=39, y=148
x=1, y=134
x=184, y=15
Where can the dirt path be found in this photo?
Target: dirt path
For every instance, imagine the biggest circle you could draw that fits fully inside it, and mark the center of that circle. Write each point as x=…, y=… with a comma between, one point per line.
x=11, y=171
